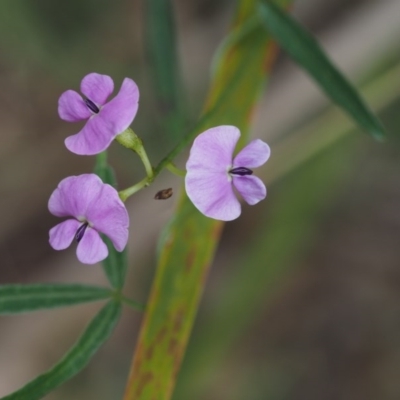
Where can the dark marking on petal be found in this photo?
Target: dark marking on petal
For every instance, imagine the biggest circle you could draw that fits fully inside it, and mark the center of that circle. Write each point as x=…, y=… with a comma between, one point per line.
x=81, y=231
x=163, y=194
x=92, y=107
x=242, y=171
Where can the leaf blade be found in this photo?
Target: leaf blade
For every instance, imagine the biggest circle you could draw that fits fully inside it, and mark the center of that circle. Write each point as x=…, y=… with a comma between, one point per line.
x=24, y=298
x=306, y=52
x=161, y=49
x=192, y=238
x=96, y=333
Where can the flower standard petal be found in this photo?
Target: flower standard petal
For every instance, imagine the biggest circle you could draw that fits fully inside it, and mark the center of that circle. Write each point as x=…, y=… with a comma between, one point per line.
x=62, y=235
x=97, y=87
x=255, y=154
x=251, y=188
x=213, y=149
x=108, y=215
x=93, y=138
x=74, y=195
x=72, y=108
x=91, y=248
x=212, y=194
x=119, y=113
x=207, y=181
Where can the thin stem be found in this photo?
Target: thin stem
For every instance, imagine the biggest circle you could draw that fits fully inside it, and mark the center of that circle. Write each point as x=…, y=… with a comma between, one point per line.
x=124, y=194
x=141, y=152
x=131, y=141
x=171, y=167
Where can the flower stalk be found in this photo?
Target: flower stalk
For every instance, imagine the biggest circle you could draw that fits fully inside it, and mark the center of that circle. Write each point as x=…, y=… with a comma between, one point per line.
x=131, y=141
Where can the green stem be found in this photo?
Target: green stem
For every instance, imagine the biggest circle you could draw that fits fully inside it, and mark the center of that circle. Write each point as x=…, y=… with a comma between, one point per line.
x=171, y=167
x=131, y=141
x=146, y=162
x=124, y=194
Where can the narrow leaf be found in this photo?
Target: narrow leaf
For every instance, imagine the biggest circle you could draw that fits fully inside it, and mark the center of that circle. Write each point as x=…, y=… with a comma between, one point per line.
x=97, y=332
x=192, y=238
x=24, y=298
x=164, y=68
x=116, y=264
x=306, y=52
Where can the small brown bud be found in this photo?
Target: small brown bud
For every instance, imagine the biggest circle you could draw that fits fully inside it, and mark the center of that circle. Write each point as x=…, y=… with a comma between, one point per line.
x=163, y=194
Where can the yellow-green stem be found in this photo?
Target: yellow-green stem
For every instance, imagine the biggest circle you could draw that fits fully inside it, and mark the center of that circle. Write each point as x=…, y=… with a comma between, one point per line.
x=131, y=141
x=171, y=167
x=124, y=194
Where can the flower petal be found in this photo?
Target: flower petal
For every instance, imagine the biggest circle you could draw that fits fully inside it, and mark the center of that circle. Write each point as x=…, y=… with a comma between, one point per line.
x=108, y=215
x=113, y=119
x=251, y=188
x=212, y=150
x=72, y=108
x=119, y=113
x=74, y=195
x=62, y=235
x=97, y=87
x=93, y=138
x=256, y=153
x=212, y=194
x=91, y=249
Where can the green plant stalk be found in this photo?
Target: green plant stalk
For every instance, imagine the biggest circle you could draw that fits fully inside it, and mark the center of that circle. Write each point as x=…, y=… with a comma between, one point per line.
x=192, y=238
x=131, y=141
x=171, y=167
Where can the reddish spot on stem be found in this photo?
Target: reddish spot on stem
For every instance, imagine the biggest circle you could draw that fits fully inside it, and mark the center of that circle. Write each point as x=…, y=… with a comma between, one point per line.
x=172, y=347
x=142, y=381
x=190, y=258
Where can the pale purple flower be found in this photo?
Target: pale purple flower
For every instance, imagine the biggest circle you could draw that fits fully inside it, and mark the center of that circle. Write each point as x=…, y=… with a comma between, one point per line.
x=95, y=207
x=213, y=173
x=104, y=120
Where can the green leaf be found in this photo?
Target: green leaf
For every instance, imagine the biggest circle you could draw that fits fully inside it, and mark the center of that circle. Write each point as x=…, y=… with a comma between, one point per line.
x=277, y=242
x=116, y=264
x=103, y=170
x=191, y=239
x=24, y=298
x=306, y=52
x=164, y=65
x=97, y=332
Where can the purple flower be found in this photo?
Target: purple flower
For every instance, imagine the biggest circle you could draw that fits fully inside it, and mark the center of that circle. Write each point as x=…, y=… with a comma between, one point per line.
x=95, y=207
x=104, y=120
x=213, y=173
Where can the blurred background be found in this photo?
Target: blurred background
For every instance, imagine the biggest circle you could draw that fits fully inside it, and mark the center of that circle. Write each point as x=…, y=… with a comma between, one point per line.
x=303, y=300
